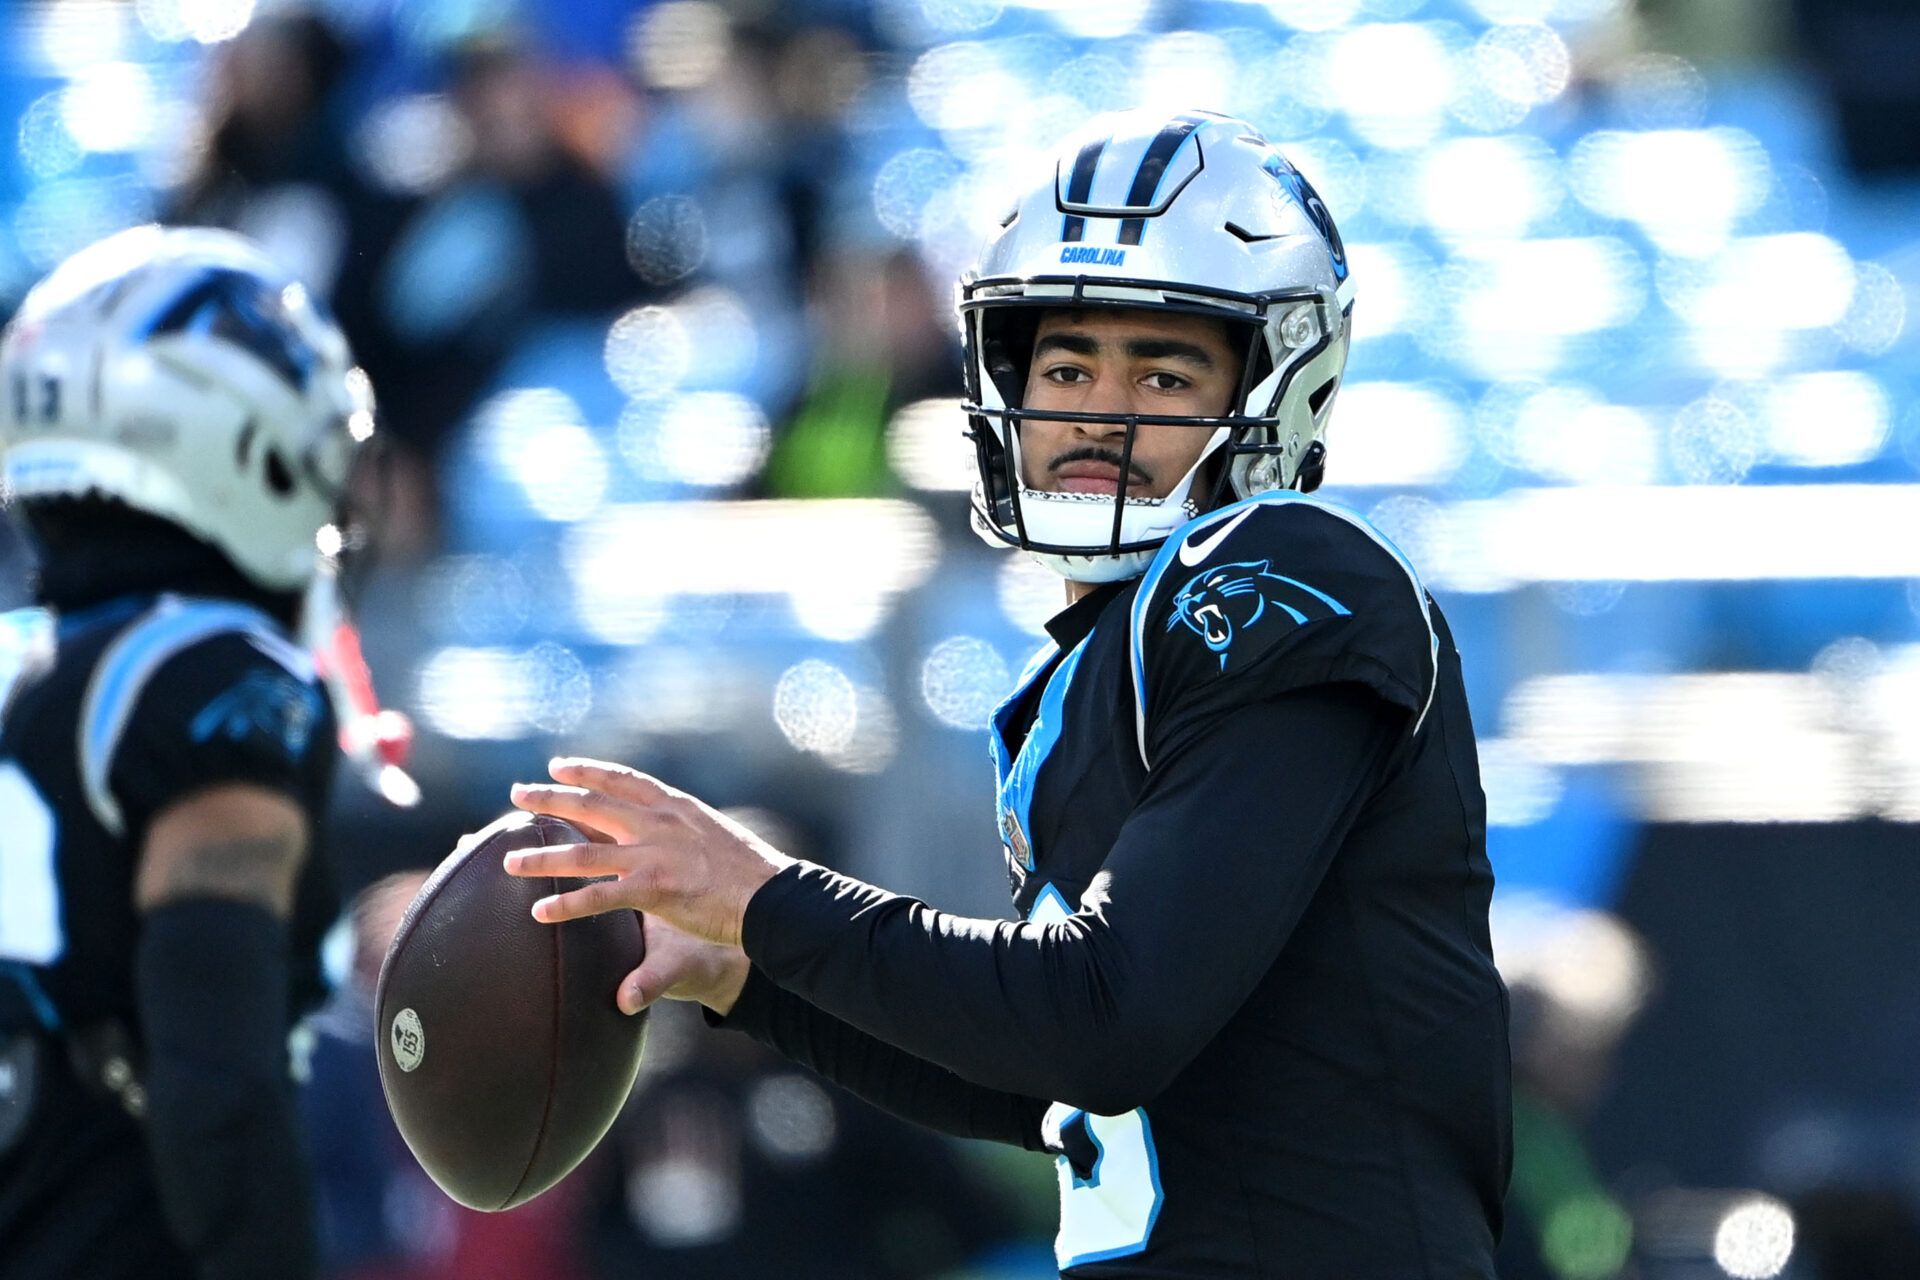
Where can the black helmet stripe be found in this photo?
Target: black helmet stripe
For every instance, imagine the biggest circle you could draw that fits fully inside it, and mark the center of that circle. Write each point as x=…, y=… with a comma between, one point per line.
x=1153, y=167
x=1080, y=186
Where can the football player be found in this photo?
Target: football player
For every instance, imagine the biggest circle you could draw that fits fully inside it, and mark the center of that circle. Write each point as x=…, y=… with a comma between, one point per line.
x=179, y=423
x=1252, y=1007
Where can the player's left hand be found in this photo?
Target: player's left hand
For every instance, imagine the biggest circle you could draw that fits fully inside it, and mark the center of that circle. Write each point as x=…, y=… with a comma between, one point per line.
x=674, y=857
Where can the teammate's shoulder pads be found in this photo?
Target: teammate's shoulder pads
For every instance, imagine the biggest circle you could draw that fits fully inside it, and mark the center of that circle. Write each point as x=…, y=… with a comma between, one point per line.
x=1278, y=592
x=188, y=675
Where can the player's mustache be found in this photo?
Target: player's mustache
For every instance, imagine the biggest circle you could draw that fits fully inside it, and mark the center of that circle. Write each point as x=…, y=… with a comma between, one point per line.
x=1094, y=453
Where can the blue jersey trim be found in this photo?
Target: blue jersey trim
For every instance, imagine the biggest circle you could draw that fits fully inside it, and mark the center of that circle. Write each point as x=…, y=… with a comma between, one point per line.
x=36, y=996
x=1049, y=893
x=1316, y=593
x=1017, y=780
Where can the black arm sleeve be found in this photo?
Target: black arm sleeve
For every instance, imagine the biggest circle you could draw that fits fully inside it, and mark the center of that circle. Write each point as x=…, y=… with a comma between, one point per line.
x=211, y=979
x=1239, y=821
x=896, y=1082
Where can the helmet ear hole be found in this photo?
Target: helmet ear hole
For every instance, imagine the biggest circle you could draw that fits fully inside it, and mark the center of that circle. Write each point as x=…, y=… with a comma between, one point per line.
x=279, y=474
x=1318, y=400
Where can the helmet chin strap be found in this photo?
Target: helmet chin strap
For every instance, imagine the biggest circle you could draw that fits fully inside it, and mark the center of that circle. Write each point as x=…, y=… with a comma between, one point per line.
x=1095, y=571
x=1096, y=567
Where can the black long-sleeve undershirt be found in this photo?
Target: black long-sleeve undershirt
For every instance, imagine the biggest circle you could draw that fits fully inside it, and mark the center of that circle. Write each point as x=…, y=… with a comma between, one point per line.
x=909, y=1087
x=963, y=1024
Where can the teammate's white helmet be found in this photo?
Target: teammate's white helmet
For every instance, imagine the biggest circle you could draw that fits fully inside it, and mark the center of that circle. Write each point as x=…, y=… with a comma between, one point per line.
x=1197, y=214
x=180, y=372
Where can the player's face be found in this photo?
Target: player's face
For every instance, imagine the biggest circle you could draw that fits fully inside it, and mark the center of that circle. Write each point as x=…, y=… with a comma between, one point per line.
x=1123, y=362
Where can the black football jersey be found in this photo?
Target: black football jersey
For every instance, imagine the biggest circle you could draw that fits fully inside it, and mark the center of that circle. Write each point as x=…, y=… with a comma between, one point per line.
x=1267, y=993
x=107, y=715
x=1366, y=1077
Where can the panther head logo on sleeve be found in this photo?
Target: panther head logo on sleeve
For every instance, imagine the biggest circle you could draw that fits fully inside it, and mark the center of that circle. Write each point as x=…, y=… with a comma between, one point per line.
x=1220, y=603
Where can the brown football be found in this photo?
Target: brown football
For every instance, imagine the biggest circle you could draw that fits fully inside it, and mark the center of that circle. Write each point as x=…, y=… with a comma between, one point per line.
x=502, y=1054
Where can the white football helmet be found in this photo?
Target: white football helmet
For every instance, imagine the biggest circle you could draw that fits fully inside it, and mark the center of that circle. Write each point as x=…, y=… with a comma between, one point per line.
x=1195, y=213
x=180, y=372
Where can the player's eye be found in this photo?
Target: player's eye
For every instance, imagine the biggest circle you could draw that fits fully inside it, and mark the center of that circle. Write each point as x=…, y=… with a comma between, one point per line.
x=1161, y=380
x=1066, y=375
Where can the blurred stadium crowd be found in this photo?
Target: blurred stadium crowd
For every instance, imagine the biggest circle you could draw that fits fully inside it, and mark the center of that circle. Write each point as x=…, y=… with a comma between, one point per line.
x=655, y=300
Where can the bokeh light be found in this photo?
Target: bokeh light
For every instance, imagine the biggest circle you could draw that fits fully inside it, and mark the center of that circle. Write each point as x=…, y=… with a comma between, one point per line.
x=476, y=693
x=1834, y=418
x=1754, y=1240
x=109, y=106
x=1029, y=594
x=536, y=438
x=928, y=448
x=816, y=707
x=1567, y=433
x=1497, y=187
x=667, y=239
x=47, y=146
x=962, y=680
x=648, y=352
x=1685, y=187
x=709, y=439
x=70, y=36
x=907, y=183
x=1397, y=434
x=1520, y=790
x=680, y=44
x=1631, y=385
x=413, y=143
x=1393, y=80
x=213, y=21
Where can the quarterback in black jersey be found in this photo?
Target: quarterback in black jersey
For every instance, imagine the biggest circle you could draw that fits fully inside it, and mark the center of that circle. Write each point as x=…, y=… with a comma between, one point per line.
x=178, y=424
x=1251, y=1007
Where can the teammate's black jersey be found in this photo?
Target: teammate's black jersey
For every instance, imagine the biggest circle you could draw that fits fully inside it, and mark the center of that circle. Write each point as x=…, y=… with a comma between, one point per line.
x=107, y=715
x=1253, y=1008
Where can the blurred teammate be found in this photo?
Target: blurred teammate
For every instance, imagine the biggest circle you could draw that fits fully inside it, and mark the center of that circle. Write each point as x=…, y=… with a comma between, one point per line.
x=179, y=425
x=1252, y=1007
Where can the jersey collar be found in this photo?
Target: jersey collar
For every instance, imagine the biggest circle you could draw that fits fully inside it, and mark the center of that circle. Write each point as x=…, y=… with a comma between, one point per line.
x=1075, y=622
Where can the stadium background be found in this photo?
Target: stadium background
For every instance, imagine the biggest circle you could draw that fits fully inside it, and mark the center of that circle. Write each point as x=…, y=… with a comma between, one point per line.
x=655, y=298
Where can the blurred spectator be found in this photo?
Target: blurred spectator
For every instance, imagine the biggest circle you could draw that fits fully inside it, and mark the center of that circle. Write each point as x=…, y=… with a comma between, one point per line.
x=1576, y=980
x=731, y=1164
x=355, y=1170
x=525, y=231
x=275, y=162
x=884, y=341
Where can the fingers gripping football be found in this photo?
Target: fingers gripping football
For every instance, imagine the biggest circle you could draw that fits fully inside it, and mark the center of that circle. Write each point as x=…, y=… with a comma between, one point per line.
x=671, y=855
x=680, y=967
